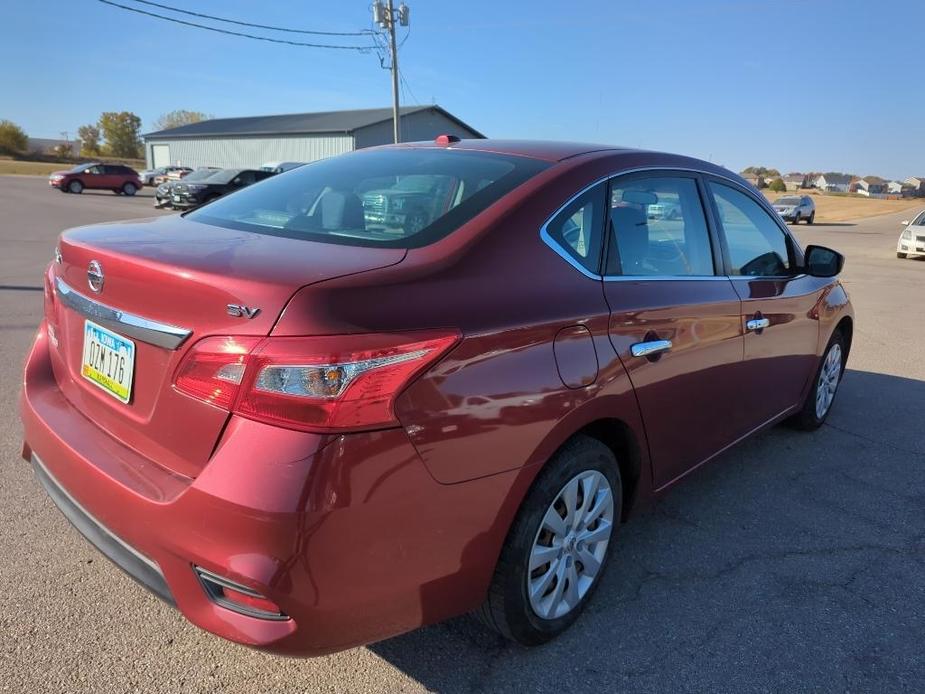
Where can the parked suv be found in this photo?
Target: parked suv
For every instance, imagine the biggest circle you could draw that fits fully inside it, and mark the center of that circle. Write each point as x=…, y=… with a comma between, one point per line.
x=793, y=208
x=149, y=176
x=115, y=177
x=185, y=194
x=309, y=430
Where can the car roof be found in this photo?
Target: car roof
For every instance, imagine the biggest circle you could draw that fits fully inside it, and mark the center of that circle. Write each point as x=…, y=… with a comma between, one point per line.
x=547, y=150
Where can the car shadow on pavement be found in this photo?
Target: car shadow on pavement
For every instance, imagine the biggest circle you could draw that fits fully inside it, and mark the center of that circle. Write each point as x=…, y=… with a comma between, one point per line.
x=794, y=561
x=832, y=224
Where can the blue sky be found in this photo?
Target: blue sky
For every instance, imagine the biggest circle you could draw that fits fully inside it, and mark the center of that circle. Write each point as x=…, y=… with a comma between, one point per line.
x=797, y=85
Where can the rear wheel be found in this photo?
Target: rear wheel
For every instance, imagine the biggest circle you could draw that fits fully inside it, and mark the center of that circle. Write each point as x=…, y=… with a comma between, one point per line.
x=129, y=189
x=819, y=400
x=75, y=186
x=557, y=548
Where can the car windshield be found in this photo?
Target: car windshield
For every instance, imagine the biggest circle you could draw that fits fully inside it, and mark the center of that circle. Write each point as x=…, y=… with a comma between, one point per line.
x=200, y=174
x=919, y=221
x=223, y=176
x=399, y=198
x=788, y=201
x=80, y=168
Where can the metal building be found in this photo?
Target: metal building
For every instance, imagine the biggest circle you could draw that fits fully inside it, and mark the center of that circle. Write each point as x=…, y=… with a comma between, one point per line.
x=253, y=141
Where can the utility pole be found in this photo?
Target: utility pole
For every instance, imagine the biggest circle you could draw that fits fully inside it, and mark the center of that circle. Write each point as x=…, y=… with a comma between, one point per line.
x=386, y=16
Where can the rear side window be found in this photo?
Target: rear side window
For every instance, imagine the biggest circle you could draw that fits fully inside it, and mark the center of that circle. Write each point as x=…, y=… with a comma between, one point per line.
x=757, y=246
x=658, y=228
x=395, y=198
x=577, y=228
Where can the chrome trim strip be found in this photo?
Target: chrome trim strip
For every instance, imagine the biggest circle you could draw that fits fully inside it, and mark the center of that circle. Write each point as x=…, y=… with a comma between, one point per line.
x=144, y=329
x=664, y=278
x=555, y=246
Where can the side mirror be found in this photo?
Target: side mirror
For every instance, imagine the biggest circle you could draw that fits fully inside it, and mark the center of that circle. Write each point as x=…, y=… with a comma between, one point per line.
x=820, y=261
x=905, y=222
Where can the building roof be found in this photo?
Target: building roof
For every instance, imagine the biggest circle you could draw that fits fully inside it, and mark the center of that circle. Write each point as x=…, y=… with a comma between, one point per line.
x=836, y=178
x=795, y=177
x=297, y=123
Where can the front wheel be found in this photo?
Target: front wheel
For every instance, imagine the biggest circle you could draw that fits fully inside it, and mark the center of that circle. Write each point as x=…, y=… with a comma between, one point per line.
x=557, y=548
x=900, y=255
x=796, y=219
x=75, y=187
x=819, y=400
x=812, y=218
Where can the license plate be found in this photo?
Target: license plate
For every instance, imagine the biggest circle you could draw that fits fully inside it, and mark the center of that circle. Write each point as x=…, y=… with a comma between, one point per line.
x=108, y=361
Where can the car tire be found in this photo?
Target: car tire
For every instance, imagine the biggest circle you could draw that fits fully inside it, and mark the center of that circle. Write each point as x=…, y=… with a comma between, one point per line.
x=75, y=187
x=572, y=473
x=811, y=218
x=129, y=189
x=901, y=255
x=796, y=219
x=831, y=366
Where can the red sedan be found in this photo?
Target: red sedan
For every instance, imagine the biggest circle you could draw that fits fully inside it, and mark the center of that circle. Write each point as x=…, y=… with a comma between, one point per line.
x=405, y=383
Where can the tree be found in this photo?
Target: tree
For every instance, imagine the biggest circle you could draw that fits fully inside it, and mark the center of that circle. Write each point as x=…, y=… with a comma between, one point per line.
x=762, y=171
x=89, y=140
x=175, y=119
x=120, y=131
x=13, y=139
x=777, y=185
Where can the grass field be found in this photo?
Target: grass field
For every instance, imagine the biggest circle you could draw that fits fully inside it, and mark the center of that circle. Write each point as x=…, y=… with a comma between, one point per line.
x=29, y=168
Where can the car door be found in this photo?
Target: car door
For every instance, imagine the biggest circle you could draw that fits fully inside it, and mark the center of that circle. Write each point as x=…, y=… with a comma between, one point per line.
x=780, y=304
x=675, y=319
x=93, y=177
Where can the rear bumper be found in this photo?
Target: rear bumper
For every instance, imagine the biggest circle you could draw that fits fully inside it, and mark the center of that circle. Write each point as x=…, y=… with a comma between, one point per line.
x=127, y=558
x=350, y=536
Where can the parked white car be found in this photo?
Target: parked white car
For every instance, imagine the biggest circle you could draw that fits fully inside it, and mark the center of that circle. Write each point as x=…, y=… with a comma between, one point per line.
x=911, y=242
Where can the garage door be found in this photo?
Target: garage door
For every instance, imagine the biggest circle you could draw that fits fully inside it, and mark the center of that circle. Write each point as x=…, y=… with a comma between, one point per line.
x=160, y=155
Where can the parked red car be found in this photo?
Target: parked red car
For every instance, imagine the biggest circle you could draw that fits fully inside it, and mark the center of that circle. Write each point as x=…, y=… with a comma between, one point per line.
x=121, y=180
x=310, y=427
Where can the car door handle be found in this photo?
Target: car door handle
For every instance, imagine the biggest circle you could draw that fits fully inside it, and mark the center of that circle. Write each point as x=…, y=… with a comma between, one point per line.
x=757, y=324
x=647, y=349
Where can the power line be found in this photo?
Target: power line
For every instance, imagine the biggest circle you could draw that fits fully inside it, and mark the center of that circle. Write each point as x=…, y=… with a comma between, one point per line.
x=250, y=24
x=362, y=49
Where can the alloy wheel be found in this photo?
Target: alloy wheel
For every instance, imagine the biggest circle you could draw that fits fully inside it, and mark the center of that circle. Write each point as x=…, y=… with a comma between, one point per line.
x=569, y=548
x=829, y=377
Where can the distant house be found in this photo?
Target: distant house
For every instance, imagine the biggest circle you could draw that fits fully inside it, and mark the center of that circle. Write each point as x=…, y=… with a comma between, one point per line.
x=897, y=187
x=794, y=181
x=870, y=186
x=917, y=184
x=833, y=183
x=754, y=179
x=44, y=145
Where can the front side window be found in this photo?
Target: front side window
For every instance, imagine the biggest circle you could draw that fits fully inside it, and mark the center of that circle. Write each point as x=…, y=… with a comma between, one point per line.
x=392, y=198
x=657, y=228
x=757, y=246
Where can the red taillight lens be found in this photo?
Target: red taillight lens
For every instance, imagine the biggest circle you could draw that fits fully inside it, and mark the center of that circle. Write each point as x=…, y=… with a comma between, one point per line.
x=213, y=369
x=332, y=383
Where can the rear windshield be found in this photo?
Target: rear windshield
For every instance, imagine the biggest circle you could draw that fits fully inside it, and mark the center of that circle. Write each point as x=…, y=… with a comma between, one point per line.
x=397, y=198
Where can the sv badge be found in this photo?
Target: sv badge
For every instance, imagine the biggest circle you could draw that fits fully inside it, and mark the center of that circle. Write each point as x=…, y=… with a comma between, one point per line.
x=240, y=311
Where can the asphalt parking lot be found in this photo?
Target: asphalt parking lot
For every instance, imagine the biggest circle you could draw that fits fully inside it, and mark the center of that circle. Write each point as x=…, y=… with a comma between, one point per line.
x=794, y=562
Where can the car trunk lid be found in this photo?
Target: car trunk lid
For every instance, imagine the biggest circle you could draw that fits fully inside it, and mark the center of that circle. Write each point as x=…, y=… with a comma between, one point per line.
x=167, y=283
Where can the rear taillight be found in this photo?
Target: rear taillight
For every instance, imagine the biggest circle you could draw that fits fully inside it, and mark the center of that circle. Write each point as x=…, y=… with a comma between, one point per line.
x=51, y=316
x=333, y=383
